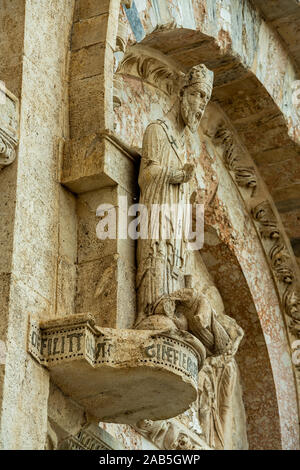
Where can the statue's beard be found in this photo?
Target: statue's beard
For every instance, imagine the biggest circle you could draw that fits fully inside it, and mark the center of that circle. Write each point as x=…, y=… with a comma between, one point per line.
x=191, y=119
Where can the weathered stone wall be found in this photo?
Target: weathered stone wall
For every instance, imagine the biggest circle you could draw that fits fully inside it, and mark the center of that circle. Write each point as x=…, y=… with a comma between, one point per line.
x=32, y=289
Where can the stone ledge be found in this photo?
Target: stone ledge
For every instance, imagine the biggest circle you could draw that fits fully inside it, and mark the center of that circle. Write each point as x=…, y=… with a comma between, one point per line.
x=97, y=161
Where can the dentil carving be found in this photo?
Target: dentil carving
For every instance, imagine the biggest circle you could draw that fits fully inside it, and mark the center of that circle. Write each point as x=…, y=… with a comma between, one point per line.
x=264, y=214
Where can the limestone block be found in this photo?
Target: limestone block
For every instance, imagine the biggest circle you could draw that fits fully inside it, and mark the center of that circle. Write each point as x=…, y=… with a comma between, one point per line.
x=89, y=8
x=37, y=242
x=26, y=382
x=82, y=168
x=45, y=42
x=11, y=38
x=87, y=62
x=97, y=289
x=121, y=166
x=7, y=208
x=90, y=247
x=89, y=31
x=104, y=287
x=65, y=413
x=126, y=294
x=86, y=106
x=126, y=250
x=98, y=161
x=119, y=375
x=4, y=299
x=66, y=287
x=41, y=102
x=288, y=193
x=110, y=263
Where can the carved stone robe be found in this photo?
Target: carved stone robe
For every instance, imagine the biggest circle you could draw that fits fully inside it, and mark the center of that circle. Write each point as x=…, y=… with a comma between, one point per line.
x=161, y=262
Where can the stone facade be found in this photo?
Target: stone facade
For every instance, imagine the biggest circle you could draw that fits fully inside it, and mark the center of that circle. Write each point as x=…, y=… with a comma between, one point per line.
x=107, y=342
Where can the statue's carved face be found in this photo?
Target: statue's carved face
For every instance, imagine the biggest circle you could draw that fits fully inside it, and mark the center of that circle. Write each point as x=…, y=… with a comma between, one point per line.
x=193, y=103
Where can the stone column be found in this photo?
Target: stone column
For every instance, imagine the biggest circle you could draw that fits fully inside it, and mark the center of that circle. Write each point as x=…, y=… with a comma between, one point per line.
x=29, y=262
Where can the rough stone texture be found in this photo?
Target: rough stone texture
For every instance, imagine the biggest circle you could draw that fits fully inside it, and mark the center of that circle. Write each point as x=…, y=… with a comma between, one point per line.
x=35, y=241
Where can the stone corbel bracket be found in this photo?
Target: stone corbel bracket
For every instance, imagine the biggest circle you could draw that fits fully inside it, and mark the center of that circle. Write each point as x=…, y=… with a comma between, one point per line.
x=119, y=376
x=97, y=161
x=9, y=127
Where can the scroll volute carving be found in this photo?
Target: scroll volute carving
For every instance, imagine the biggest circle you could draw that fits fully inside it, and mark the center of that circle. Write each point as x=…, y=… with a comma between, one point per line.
x=9, y=123
x=139, y=63
x=292, y=303
x=245, y=176
x=263, y=214
x=7, y=149
x=121, y=45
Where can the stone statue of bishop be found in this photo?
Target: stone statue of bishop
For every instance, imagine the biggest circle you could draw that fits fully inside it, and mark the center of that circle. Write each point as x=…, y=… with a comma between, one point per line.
x=164, y=179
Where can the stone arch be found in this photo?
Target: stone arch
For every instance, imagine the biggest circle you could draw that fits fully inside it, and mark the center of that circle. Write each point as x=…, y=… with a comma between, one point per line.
x=246, y=95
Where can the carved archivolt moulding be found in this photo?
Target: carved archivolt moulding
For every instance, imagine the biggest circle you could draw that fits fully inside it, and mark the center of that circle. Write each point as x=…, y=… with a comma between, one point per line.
x=266, y=219
x=245, y=176
x=151, y=69
x=268, y=225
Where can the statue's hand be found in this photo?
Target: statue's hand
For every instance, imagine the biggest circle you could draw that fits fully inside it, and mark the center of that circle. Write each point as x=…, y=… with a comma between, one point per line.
x=184, y=175
x=189, y=171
